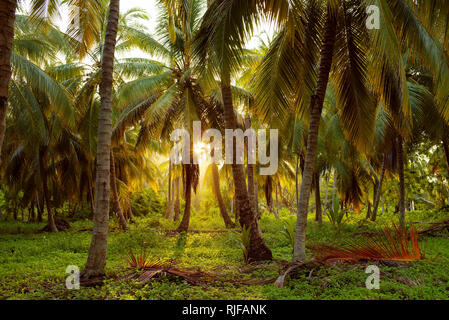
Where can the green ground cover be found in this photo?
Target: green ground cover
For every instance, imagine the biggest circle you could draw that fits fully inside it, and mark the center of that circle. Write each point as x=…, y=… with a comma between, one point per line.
x=33, y=265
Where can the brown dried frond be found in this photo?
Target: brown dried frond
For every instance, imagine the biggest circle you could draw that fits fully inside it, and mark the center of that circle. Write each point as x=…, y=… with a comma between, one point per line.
x=392, y=244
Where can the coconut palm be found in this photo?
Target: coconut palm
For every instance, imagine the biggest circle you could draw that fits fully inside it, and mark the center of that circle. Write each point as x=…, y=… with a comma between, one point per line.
x=7, y=14
x=96, y=260
x=85, y=12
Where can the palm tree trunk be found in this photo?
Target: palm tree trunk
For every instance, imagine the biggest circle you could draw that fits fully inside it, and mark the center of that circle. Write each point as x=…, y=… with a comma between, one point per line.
x=256, y=200
x=90, y=196
x=333, y=186
x=130, y=214
x=96, y=261
x=316, y=106
x=235, y=209
x=318, y=212
x=171, y=213
x=184, y=225
x=251, y=186
x=379, y=190
x=177, y=205
x=276, y=192
x=297, y=183
x=326, y=194
x=258, y=251
x=368, y=210
x=401, y=180
x=269, y=193
x=117, y=207
x=7, y=17
x=446, y=152
x=51, y=220
x=250, y=172
x=216, y=186
x=170, y=205
x=40, y=207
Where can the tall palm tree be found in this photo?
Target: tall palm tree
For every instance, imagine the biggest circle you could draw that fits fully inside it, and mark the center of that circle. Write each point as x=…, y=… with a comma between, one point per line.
x=96, y=260
x=216, y=188
x=84, y=11
x=225, y=26
x=7, y=16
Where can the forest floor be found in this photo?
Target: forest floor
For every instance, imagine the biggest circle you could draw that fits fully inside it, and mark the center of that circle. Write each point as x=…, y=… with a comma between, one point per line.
x=33, y=265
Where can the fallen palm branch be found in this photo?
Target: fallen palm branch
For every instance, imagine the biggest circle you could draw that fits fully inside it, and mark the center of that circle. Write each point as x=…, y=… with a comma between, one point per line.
x=175, y=233
x=152, y=267
x=193, y=277
x=435, y=228
x=144, y=260
x=390, y=245
x=294, y=268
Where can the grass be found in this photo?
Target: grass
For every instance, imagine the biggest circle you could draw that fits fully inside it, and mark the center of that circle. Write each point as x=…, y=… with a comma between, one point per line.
x=32, y=265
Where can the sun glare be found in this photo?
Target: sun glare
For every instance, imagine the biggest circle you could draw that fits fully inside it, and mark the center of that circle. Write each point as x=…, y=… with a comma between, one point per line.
x=200, y=148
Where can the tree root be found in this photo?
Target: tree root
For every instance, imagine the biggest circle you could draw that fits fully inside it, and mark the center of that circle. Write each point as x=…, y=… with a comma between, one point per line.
x=91, y=278
x=61, y=225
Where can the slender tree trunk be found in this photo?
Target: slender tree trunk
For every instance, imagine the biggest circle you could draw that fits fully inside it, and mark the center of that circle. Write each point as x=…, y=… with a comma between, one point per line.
x=318, y=212
x=250, y=171
x=379, y=190
x=446, y=152
x=256, y=200
x=170, y=205
x=276, y=192
x=51, y=220
x=297, y=183
x=171, y=213
x=333, y=187
x=326, y=194
x=7, y=17
x=184, y=226
x=40, y=207
x=130, y=214
x=96, y=260
x=316, y=106
x=257, y=249
x=368, y=211
x=401, y=180
x=90, y=196
x=177, y=205
x=32, y=212
x=216, y=186
x=269, y=193
x=117, y=207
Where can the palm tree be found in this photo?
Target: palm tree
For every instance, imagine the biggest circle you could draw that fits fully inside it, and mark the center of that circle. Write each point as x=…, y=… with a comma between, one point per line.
x=41, y=116
x=216, y=188
x=7, y=16
x=175, y=94
x=42, y=11
x=96, y=260
x=220, y=39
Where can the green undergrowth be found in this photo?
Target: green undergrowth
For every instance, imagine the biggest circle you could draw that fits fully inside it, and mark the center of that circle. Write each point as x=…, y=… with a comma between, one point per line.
x=33, y=265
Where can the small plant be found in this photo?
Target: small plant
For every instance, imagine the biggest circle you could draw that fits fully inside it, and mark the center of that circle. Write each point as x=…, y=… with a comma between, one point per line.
x=289, y=230
x=244, y=242
x=335, y=215
x=143, y=260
